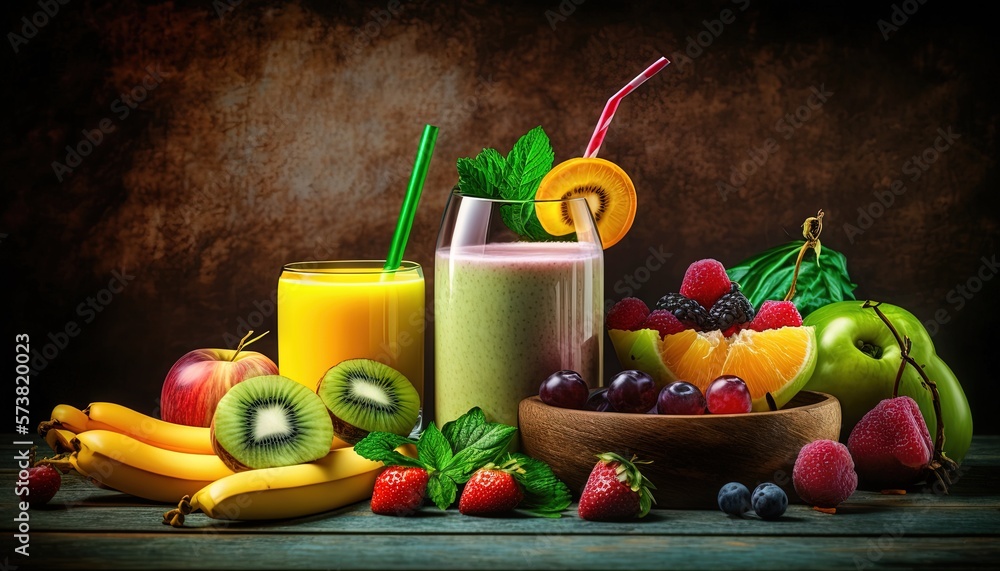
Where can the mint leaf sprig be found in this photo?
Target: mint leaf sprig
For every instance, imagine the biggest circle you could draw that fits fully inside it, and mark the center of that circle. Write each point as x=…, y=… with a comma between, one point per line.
x=545, y=495
x=452, y=454
x=515, y=178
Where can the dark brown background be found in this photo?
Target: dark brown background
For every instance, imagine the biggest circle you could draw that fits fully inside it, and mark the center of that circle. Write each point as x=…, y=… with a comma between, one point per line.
x=285, y=131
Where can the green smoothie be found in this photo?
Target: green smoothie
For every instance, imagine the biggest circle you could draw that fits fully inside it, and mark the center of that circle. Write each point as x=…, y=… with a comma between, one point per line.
x=507, y=316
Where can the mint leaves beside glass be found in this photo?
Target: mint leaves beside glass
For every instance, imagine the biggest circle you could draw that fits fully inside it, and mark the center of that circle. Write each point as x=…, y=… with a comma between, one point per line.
x=452, y=454
x=515, y=177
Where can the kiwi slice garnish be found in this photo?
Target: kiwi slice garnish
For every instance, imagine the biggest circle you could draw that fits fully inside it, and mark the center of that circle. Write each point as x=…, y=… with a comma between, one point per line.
x=367, y=396
x=270, y=421
x=608, y=190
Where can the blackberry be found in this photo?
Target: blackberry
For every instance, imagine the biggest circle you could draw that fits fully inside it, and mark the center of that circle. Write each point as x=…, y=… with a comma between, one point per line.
x=732, y=308
x=687, y=311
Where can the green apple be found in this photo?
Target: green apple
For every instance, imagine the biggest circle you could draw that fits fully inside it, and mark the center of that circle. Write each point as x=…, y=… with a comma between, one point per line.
x=858, y=361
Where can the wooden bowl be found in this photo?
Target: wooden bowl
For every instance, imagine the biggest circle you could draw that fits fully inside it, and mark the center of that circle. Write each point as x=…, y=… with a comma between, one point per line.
x=692, y=456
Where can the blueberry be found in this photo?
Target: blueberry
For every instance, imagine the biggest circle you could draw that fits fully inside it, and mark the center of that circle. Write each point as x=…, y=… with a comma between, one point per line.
x=734, y=499
x=769, y=501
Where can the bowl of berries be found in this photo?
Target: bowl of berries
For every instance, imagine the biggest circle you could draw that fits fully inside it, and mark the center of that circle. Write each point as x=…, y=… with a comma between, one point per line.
x=706, y=396
x=690, y=456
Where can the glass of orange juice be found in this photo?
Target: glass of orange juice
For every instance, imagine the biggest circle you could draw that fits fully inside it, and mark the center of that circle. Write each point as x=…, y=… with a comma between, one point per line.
x=329, y=312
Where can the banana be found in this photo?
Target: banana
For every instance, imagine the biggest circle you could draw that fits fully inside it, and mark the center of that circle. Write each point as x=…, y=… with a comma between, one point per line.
x=65, y=417
x=128, y=465
x=59, y=440
x=159, y=433
x=336, y=480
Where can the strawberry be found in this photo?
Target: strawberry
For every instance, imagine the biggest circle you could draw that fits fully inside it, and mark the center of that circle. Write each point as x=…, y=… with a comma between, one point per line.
x=491, y=490
x=891, y=445
x=615, y=490
x=399, y=490
x=43, y=483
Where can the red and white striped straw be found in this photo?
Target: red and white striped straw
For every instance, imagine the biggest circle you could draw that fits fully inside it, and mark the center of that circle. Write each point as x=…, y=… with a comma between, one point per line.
x=609, y=110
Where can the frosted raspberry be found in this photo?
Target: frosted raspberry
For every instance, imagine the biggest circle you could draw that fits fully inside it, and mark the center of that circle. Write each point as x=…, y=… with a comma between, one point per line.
x=627, y=314
x=891, y=444
x=775, y=315
x=705, y=281
x=664, y=322
x=824, y=474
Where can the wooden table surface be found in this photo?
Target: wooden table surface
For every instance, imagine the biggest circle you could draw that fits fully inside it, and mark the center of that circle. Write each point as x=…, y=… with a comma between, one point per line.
x=90, y=528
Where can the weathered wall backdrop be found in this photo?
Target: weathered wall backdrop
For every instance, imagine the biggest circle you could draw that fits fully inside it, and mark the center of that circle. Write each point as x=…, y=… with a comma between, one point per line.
x=268, y=132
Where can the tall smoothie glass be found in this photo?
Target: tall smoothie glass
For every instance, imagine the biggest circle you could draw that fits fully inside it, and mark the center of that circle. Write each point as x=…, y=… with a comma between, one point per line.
x=329, y=312
x=509, y=312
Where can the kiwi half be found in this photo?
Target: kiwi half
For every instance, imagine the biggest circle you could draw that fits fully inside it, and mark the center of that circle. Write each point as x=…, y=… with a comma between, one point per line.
x=270, y=421
x=367, y=396
x=608, y=190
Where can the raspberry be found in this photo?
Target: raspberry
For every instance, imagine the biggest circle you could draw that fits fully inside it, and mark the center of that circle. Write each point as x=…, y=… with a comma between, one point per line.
x=627, y=314
x=775, y=315
x=824, y=474
x=705, y=281
x=891, y=444
x=664, y=322
x=731, y=309
x=688, y=311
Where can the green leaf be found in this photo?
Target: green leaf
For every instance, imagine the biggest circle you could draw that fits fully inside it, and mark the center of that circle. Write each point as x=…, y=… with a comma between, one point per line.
x=483, y=175
x=475, y=443
x=768, y=276
x=527, y=163
x=511, y=216
x=381, y=447
x=516, y=177
x=533, y=228
x=490, y=442
x=433, y=449
x=459, y=432
x=545, y=495
x=442, y=490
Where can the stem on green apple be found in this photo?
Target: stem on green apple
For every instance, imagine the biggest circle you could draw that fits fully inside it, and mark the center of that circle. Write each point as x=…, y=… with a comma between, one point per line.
x=940, y=466
x=811, y=230
x=244, y=343
x=870, y=349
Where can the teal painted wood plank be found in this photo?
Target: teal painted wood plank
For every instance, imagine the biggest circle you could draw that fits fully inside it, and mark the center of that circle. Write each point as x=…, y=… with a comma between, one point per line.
x=147, y=551
x=863, y=514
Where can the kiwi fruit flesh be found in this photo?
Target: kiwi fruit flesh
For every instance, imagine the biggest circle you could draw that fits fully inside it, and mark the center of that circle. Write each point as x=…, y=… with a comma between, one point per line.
x=607, y=188
x=368, y=396
x=270, y=421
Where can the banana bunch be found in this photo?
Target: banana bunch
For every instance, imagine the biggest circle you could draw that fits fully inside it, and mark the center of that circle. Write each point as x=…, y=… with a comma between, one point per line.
x=122, y=463
x=336, y=480
x=123, y=420
x=121, y=449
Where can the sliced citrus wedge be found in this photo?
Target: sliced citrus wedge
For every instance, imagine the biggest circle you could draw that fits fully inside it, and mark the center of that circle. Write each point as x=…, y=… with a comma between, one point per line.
x=776, y=361
x=608, y=190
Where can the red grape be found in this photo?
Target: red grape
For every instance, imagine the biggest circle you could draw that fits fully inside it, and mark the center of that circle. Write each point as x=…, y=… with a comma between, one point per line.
x=728, y=394
x=632, y=391
x=680, y=397
x=598, y=401
x=564, y=389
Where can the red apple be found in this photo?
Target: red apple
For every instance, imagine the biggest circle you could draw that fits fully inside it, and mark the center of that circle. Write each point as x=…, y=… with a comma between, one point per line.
x=198, y=380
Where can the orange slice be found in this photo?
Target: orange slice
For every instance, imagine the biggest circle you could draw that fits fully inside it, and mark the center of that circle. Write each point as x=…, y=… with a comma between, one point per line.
x=776, y=361
x=608, y=190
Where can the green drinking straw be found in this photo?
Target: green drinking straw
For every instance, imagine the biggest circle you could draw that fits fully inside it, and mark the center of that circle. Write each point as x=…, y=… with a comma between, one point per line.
x=409, y=209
